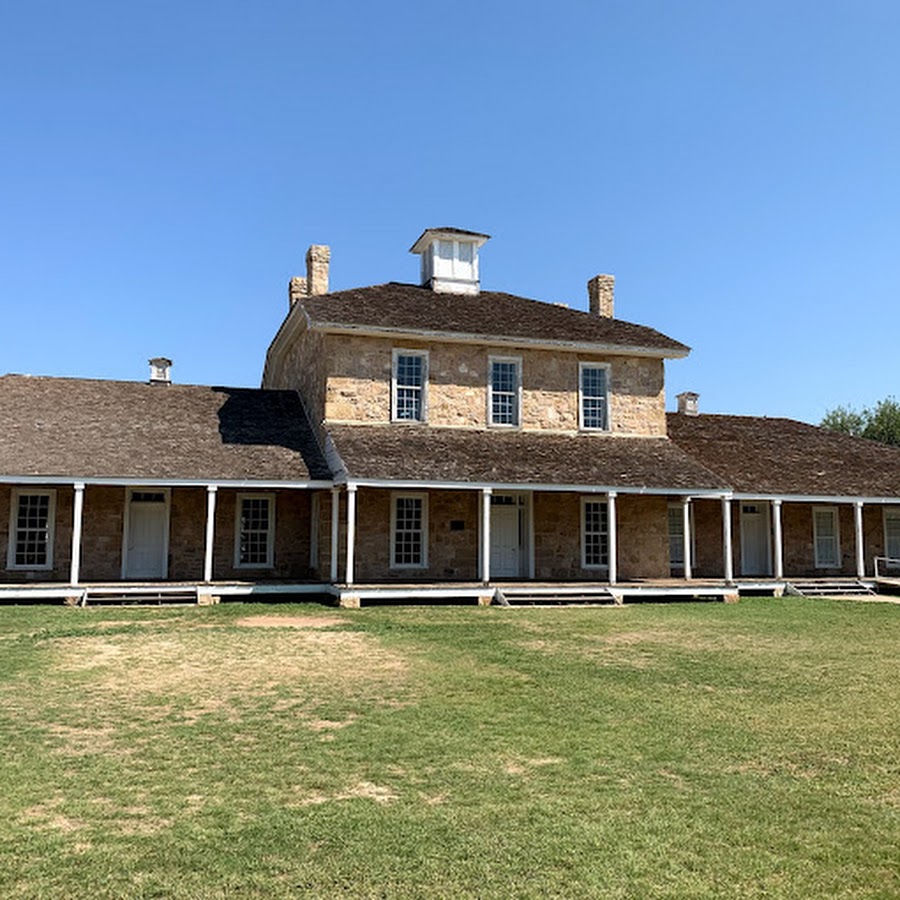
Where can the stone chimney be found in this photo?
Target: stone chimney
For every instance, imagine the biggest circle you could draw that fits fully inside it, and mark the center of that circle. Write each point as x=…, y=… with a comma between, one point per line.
x=317, y=259
x=160, y=370
x=600, y=293
x=687, y=403
x=296, y=290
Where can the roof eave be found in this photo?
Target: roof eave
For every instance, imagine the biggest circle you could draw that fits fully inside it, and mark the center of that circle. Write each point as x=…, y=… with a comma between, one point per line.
x=451, y=337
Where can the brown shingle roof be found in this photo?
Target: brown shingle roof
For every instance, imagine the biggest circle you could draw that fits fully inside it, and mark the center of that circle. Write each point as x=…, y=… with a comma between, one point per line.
x=783, y=456
x=409, y=307
x=116, y=429
x=439, y=454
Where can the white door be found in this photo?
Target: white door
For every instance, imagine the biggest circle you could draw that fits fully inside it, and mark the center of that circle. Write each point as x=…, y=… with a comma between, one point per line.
x=755, y=544
x=146, y=535
x=506, y=536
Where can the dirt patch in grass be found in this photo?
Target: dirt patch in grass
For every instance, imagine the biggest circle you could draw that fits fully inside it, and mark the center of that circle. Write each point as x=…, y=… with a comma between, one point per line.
x=362, y=790
x=290, y=621
x=203, y=671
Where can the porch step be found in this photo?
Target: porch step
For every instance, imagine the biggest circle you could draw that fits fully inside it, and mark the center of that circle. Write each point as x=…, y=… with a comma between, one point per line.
x=829, y=589
x=141, y=596
x=548, y=597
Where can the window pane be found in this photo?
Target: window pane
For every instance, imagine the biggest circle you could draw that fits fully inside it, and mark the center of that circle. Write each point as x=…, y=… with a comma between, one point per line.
x=410, y=379
x=505, y=393
x=593, y=397
x=892, y=527
x=32, y=541
x=596, y=534
x=408, y=535
x=255, y=530
x=676, y=536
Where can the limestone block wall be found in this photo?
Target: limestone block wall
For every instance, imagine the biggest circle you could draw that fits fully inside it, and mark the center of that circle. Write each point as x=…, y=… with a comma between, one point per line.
x=292, y=532
x=452, y=550
x=708, y=555
x=301, y=369
x=102, y=533
x=62, y=541
x=359, y=385
x=557, y=538
x=643, y=548
x=643, y=531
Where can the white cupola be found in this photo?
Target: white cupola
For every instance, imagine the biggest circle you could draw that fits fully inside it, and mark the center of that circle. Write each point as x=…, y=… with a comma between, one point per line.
x=450, y=259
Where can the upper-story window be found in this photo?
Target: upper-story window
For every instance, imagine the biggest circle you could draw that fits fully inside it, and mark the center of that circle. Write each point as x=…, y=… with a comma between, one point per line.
x=593, y=396
x=408, y=387
x=504, y=389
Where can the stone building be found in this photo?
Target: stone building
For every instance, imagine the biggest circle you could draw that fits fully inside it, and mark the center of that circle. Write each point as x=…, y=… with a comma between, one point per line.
x=429, y=440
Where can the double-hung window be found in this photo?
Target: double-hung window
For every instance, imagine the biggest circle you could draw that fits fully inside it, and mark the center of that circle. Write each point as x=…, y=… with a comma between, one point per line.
x=410, y=376
x=594, y=533
x=504, y=391
x=826, y=537
x=409, y=531
x=892, y=536
x=255, y=531
x=32, y=518
x=593, y=396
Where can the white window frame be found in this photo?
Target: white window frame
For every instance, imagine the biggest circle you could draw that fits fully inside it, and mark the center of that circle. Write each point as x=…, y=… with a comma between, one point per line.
x=680, y=508
x=15, y=494
x=607, y=367
x=395, y=357
x=409, y=495
x=890, y=512
x=459, y=270
x=820, y=563
x=593, y=498
x=270, y=537
x=517, y=361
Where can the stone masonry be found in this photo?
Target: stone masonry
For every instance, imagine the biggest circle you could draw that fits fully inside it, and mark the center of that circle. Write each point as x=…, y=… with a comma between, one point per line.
x=358, y=385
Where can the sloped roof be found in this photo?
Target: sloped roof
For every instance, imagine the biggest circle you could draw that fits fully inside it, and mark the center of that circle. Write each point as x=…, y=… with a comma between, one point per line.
x=399, y=453
x=489, y=314
x=84, y=428
x=783, y=456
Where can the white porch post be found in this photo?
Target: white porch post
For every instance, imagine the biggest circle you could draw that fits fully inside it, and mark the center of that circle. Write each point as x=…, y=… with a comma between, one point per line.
x=335, y=531
x=613, y=535
x=726, y=540
x=779, y=539
x=351, y=531
x=860, y=549
x=77, y=518
x=486, y=534
x=686, y=519
x=211, y=492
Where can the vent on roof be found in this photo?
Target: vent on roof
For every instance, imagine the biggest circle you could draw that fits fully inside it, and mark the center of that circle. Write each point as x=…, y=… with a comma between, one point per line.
x=160, y=370
x=688, y=403
x=450, y=259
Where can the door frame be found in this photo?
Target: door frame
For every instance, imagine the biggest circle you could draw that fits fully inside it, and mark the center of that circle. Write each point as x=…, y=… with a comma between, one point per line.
x=526, y=531
x=766, y=510
x=126, y=527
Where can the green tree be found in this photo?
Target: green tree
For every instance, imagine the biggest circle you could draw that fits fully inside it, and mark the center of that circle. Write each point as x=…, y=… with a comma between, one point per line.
x=878, y=423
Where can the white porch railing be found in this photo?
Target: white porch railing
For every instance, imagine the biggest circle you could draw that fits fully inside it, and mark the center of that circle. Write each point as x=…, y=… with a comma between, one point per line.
x=885, y=563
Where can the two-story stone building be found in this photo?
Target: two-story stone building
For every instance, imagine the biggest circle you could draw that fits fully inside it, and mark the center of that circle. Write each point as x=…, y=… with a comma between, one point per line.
x=429, y=440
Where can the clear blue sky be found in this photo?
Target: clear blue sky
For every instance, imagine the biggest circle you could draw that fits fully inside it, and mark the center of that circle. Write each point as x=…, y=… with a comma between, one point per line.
x=736, y=165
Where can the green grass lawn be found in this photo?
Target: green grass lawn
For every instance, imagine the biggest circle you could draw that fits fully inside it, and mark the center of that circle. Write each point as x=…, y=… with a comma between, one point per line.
x=683, y=750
